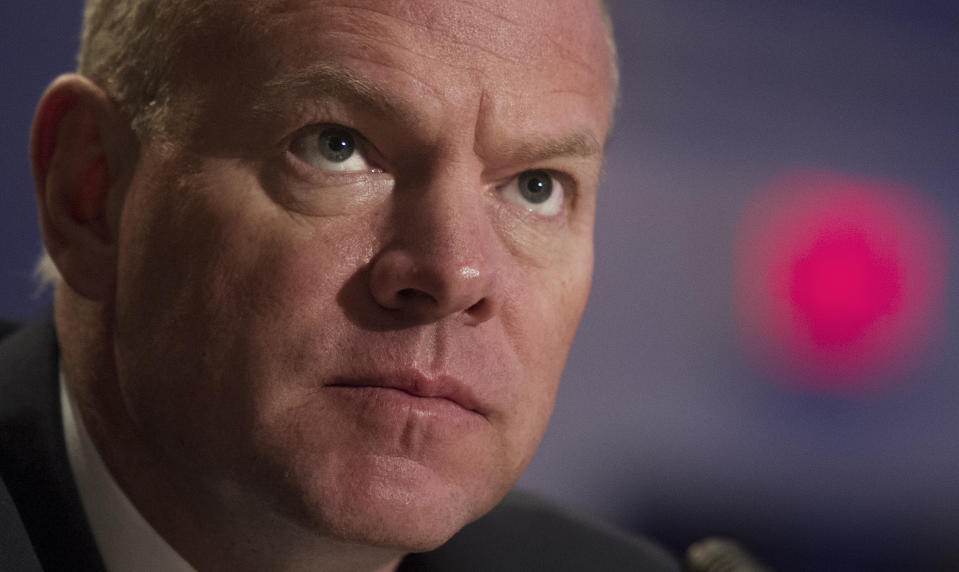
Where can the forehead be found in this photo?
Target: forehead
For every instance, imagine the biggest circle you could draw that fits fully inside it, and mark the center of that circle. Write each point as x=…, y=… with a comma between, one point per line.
x=507, y=32
x=504, y=52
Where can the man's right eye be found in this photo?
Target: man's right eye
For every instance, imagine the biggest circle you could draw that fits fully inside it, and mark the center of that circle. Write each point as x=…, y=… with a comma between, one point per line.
x=330, y=148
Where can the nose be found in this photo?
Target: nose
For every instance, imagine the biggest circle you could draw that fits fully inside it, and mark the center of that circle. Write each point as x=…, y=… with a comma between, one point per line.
x=440, y=260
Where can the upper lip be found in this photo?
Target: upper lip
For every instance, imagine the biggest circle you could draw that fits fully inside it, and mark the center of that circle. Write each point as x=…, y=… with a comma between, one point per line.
x=419, y=384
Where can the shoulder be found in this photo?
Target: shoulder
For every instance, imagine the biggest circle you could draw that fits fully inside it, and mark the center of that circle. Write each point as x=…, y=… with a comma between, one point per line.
x=527, y=533
x=28, y=366
x=29, y=403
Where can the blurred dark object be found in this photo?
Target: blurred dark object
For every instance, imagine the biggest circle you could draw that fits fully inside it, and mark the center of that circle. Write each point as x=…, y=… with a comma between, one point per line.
x=720, y=555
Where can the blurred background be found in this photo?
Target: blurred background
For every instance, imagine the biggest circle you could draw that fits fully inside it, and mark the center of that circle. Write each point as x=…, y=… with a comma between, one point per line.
x=770, y=347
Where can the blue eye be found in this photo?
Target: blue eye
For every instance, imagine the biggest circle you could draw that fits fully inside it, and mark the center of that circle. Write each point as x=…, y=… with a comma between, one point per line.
x=536, y=186
x=537, y=190
x=331, y=148
x=336, y=145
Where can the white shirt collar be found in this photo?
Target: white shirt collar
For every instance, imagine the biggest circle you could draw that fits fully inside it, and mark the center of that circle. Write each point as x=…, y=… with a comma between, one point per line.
x=126, y=541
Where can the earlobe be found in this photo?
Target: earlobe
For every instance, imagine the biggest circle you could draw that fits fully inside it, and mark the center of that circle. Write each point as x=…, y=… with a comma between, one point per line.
x=81, y=152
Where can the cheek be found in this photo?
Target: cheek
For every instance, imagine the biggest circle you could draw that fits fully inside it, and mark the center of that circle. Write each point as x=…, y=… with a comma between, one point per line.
x=222, y=268
x=220, y=245
x=542, y=322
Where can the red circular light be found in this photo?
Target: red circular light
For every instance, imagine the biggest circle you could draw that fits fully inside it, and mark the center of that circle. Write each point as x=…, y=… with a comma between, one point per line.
x=839, y=279
x=841, y=287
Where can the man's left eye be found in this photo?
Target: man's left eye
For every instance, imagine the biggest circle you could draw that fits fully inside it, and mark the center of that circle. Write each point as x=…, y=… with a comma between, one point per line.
x=537, y=190
x=331, y=149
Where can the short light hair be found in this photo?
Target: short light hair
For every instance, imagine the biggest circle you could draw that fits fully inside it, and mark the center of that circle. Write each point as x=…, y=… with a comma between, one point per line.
x=614, y=78
x=128, y=47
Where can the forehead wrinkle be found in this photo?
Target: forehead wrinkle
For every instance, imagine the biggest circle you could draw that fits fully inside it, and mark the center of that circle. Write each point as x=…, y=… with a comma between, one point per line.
x=325, y=79
x=452, y=38
x=559, y=49
x=478, y=36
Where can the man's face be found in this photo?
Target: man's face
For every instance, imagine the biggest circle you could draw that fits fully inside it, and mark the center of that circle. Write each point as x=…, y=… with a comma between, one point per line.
x=348, y=283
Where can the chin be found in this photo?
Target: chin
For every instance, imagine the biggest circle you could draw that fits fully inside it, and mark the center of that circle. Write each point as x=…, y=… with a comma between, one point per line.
x=393, y=503
x=410, y=529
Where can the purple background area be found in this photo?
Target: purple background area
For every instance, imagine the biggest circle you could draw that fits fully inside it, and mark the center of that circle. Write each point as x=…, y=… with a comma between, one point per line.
x=661, y=423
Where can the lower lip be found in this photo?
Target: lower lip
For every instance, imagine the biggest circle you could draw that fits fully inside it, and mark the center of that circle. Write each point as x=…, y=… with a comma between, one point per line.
x=385, y=404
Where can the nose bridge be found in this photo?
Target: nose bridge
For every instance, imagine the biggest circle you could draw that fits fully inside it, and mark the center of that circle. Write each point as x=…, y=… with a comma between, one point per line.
x=441, y=258
x=445, y=222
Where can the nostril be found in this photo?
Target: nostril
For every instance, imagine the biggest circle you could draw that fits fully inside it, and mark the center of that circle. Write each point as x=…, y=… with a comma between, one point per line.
x=410, y=294
x=481, y=309
x=426, y=287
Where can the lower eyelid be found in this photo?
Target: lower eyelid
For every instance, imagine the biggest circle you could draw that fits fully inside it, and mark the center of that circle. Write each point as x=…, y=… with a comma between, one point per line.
x=323, y=177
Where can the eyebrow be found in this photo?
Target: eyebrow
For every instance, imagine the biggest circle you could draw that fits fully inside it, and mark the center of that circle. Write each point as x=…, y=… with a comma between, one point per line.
x=325, y=79
x=576, y=144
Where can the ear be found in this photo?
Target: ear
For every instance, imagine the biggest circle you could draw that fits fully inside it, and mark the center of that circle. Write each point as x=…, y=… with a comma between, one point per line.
x=83, y=153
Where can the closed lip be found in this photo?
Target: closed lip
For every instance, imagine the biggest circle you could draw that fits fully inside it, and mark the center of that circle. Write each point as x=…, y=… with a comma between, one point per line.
x=419, y=384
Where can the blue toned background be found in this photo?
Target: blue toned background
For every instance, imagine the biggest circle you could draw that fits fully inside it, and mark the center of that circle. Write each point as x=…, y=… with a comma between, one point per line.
x=664, y=423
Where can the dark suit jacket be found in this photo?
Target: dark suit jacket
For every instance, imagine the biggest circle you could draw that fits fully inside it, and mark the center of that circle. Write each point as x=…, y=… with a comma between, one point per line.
x=42, y=524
